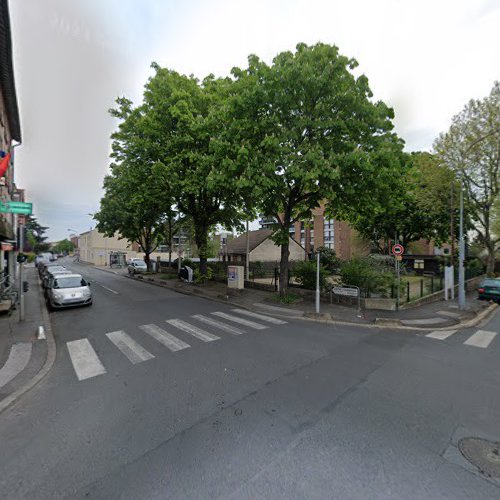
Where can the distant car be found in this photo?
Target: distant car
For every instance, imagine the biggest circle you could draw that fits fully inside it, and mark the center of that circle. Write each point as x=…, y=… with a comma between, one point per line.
x=134, y=259
x=44, y=265
x=489, y=289
x=137, y=267
x=68, y=290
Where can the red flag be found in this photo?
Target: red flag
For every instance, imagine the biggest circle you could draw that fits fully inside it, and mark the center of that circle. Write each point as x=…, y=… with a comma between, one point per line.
x=4, y=165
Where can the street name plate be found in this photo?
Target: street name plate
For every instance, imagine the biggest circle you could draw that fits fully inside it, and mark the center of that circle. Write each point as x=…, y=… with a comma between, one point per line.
x=342, y=290
x=16, y=207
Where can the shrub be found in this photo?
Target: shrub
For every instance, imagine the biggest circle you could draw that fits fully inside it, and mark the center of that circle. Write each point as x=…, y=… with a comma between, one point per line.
x=365, y=274
x=187, y=262
x=199, y=279
x=258, y=269
x=305, y=274
x=328, y=259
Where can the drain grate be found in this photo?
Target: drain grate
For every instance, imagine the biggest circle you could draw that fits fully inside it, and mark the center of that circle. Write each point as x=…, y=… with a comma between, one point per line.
x=484, y=454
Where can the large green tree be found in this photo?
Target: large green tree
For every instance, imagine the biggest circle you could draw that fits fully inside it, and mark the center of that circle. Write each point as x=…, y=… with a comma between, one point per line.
x=471, y=148
x=185, y=125
x=306, y=129
x=63, y=246
x=134, y=204
x=421, y=204
x=35, y=235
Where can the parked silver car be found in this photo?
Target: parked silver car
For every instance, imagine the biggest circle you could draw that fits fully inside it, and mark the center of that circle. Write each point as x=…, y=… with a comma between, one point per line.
x=68, y=290
x=52, y=271
x=137, y=266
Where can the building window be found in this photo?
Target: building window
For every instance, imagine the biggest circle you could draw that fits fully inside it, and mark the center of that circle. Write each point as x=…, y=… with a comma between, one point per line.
x=329, y=236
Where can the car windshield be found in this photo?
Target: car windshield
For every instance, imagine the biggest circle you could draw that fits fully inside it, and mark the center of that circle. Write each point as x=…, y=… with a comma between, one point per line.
x=69, y=282
x=140, y=264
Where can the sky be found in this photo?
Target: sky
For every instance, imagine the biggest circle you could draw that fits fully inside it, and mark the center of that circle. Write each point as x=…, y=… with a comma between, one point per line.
x=73, y=58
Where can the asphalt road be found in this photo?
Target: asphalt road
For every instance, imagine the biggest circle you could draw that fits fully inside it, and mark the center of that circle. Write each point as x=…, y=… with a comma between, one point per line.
x=291, y=411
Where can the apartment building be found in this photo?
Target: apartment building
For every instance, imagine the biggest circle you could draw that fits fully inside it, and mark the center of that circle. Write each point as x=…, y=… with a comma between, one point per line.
x=322, y=231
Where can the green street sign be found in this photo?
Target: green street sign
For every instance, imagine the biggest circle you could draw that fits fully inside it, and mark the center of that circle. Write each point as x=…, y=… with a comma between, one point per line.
x=16, y=207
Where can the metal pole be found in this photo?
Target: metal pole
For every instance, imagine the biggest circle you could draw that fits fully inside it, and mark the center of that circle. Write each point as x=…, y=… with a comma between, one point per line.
x=21, y=274
x=317, y=285
x=461, y=254
x=247, y=255
x=397, y=283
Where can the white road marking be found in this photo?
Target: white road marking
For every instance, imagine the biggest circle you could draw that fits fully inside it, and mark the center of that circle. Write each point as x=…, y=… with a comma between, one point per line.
x=441, y=334
x=241, y=321
x=192, y=330
x=482, y=338
x=108, y=289
x=84, y=359
x=218, y=324
x=129, y=347
x=263, y=317
x=165, y=338
x=17, y=361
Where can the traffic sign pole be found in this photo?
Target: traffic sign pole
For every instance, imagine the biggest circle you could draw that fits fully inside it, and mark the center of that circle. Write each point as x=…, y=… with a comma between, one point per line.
x=397, y=251
x=397, y=283
x=21, y=274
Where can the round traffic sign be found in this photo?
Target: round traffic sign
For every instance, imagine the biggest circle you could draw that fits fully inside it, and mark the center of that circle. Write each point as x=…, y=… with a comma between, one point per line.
x=397, y=249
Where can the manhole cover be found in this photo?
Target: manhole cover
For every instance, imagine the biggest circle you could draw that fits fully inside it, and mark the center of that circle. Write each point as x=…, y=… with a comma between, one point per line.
x=485, y=455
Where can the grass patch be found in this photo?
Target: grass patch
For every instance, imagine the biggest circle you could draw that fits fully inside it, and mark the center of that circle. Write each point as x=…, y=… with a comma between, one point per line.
x=289, y=298
x=167, y=276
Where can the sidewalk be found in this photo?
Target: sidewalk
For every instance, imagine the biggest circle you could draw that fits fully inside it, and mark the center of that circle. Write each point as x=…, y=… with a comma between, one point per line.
x=435, y=315
x=24, y=360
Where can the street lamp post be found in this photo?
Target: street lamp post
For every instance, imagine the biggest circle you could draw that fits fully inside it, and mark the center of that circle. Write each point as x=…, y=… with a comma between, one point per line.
x=318, y=291
x=461, y=254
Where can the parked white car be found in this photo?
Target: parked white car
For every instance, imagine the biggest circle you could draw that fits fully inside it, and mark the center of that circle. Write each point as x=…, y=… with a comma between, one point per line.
x=68, y=290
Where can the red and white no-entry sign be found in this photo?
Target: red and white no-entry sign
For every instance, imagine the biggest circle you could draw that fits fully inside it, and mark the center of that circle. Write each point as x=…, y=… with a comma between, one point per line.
x=397, y=249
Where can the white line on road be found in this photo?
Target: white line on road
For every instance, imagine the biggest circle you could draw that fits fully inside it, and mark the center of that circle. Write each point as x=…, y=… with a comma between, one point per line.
x=482, y=338
x=129, y=347
x=441, y=334
x=192, y=330
x=108, y=289
x=241, y=321
x=165, y=338
x=262, y=317
x=218, y=324
x=17, y=361
x=84, y=359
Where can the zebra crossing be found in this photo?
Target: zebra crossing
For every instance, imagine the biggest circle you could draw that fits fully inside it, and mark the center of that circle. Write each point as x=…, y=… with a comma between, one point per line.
x=481, y=338
x=87, y=364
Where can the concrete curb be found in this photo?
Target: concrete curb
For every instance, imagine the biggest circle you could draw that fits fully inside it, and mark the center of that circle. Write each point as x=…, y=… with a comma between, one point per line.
x=49, y=361
x=391, y=323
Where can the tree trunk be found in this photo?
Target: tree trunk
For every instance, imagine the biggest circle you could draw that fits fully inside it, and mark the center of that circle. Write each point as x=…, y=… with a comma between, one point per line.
x=284, y=269
x=201, y=238
x=147, y=259
x=490, y=262
x=170, y=239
